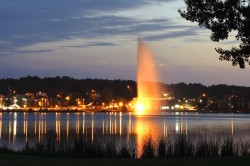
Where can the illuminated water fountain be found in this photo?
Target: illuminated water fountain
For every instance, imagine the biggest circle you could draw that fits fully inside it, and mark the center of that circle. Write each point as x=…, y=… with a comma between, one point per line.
x=148, y=89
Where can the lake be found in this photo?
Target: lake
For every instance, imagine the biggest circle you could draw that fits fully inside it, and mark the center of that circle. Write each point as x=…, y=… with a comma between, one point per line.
x=18, y=128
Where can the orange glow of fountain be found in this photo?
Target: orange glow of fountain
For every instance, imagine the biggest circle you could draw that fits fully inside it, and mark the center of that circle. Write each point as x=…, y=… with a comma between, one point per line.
x=147, y=87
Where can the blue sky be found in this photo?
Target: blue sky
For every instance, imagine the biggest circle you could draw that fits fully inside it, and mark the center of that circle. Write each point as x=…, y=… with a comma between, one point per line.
x=98, y=39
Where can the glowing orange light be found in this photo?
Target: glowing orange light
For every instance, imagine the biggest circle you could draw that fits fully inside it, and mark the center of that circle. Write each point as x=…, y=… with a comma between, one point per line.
x=139, y=108
x=67, y=98
x=145, y=129
x=40, y=103
x=147, y=87
x=120, y=104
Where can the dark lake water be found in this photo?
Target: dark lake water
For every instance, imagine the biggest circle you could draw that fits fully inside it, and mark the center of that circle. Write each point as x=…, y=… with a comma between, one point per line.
x=16, y=129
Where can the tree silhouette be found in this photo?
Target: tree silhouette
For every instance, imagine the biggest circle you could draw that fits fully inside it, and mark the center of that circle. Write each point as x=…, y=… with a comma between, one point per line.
x=223, y=17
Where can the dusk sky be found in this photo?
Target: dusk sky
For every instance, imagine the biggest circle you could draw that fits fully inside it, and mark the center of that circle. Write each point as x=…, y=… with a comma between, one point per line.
x=98, y=39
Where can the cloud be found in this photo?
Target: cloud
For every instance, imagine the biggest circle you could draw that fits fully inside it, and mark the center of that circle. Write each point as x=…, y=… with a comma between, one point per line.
x=32, y=51
x=170, y=35
x=4, y=54
x=29, y=22
x=15, y=52
x=90, y=44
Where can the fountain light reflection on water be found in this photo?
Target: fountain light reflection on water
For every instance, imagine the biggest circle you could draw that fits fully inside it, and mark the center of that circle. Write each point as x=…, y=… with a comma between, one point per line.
x=16, y=129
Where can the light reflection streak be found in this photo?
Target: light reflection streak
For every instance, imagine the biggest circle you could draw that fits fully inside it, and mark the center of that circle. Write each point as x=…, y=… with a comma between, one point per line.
x=232, y=127
x=86, y=129
x=115, y=122
x=58, y=126
x=67, y=127
x=181, y=124
x=24, y=123
x=165, y=130
x=14, y=127
x=10, y=130
x=25, y=126
x=141, y=131
x=42, y=129
x=129, y=130
x=45, y=123
x=107, y=123
x=77, y=124
x=110, y=123
x=83, y=122
x=103, y=127
x=92, y=128
x=39, y=131
x=186, y=128
x=120, y=126
x=35, y=123
x=145, y=128
x=177, y=127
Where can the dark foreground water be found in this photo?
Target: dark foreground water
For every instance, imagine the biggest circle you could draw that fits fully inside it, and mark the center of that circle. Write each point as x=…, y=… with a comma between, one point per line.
x=16, y=129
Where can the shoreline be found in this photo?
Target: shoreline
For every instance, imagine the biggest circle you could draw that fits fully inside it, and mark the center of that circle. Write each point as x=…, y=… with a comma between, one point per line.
x=76, y=110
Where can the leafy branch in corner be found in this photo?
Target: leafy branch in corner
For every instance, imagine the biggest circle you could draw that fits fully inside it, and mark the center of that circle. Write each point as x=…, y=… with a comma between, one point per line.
x=223, y=17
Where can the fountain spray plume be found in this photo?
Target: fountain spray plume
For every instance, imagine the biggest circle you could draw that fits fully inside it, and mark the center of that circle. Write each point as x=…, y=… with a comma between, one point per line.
x=148, y=89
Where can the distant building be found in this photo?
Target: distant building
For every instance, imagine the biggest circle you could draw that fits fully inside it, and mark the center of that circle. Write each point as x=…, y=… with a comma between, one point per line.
x=30, y=95
x=41, y=95
x=94, y=95
x=42, y=100
x=28, y=100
